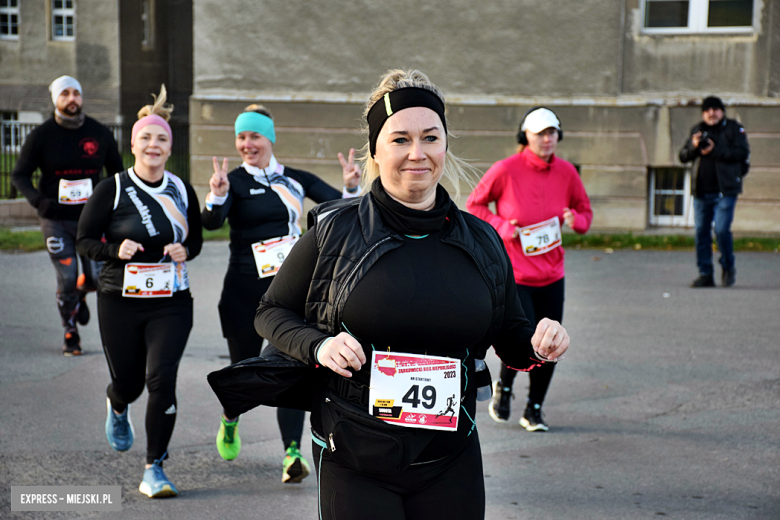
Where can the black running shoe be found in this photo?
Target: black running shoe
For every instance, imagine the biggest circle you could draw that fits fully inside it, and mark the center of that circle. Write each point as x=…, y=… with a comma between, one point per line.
x=82, y=314
x=72, y=346
x=532, y=419
x=500, y=406
x=704, y=281
x=729, y=277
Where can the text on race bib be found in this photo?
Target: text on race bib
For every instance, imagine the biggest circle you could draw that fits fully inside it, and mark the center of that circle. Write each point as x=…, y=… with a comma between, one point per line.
x=415, y=391
x=148, y=280
x=74, y=192
x=270, y=254
x=541, y=238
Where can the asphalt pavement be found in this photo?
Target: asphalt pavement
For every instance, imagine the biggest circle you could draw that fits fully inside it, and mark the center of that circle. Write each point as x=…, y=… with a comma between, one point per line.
x=667, y=406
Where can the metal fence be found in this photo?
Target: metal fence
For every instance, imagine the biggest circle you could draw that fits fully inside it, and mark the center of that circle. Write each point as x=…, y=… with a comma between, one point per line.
x=13, y=134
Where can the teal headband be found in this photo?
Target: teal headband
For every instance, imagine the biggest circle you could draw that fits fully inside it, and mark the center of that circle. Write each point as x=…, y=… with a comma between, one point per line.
x=254, y=122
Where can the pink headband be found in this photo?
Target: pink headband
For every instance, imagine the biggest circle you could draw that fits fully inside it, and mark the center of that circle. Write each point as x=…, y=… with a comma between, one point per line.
x=150, y=120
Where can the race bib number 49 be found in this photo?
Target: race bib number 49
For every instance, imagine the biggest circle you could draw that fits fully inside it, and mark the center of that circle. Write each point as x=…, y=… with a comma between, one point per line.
x=75, y=192
x=415, y=391
x=270, y=254
x=148, y=280
x=541, y=238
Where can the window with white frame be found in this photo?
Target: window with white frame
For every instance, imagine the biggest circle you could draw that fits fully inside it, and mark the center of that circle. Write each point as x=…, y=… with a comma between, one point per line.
x=9, y=19
x=698, y=16
x=147, y=25
x=63, y=20
x=671, y=203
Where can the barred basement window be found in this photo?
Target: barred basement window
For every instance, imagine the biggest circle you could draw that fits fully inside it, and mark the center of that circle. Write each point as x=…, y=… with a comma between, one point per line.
x=670, y=201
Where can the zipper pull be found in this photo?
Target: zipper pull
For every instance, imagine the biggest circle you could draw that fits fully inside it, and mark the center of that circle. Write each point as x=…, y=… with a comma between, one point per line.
x=332, y=444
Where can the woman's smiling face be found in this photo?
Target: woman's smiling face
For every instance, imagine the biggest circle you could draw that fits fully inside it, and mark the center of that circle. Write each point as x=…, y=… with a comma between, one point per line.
x=410, y=153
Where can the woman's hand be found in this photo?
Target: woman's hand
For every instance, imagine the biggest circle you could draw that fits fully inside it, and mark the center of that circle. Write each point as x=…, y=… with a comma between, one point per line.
x=342, y=352
x=177, y=252
x=550, y=340
x=350, y=170
x=568, y=217
x=128, y=248
x=218, y=182
x=517, y=229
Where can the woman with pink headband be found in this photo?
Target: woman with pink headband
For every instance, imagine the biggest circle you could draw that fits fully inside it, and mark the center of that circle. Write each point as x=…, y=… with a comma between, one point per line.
x=150, y=219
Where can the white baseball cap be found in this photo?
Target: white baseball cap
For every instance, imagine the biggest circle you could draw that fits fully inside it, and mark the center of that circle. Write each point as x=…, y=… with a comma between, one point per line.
x=540, y=119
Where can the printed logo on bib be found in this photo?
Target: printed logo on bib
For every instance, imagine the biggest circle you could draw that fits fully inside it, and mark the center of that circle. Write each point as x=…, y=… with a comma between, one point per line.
x=148, y=280
x=270, y=254
x=415, y=391
x=75, y=192
x=541, y=238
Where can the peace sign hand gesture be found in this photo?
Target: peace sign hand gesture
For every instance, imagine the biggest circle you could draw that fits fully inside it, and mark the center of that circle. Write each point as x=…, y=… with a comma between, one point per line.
x=350, y=170
x=218, y=182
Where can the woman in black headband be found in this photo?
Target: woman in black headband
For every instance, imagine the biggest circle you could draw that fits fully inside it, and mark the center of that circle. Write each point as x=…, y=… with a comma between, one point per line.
x=394, y=296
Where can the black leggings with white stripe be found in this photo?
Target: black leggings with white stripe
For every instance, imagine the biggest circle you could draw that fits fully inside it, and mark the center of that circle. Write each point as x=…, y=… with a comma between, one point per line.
x=144, y=340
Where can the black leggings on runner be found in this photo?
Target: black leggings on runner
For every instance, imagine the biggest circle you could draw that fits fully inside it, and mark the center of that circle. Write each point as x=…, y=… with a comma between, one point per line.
x=538, y=303
x=241, y=295
x=60, y=237
x=144, y=340
x=452, y=488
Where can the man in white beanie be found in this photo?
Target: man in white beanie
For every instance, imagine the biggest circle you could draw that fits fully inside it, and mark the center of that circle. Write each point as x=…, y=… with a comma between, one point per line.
x=71, y=150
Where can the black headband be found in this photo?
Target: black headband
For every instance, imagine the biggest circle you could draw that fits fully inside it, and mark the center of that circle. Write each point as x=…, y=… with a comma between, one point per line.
x=396, y=101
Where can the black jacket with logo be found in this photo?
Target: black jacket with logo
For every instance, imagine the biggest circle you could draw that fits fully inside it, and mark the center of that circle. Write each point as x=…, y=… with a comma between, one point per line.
x=63, y=153
x=731, y=155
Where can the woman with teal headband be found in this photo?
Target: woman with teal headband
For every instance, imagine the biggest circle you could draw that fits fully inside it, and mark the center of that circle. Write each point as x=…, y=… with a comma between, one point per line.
x=263, y=202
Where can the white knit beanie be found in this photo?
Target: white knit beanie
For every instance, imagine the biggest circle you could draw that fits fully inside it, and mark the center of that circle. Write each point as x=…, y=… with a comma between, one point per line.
x=60, y=84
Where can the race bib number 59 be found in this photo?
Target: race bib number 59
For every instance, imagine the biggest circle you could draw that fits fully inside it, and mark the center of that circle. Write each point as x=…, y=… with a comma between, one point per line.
x=75, y=192
x=415, y=391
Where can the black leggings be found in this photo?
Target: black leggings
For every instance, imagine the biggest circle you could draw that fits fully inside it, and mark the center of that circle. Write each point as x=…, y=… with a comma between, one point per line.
x=144, y=340
x=538, y=303
x=60, y=237
x=452, y=488
x=241, y=295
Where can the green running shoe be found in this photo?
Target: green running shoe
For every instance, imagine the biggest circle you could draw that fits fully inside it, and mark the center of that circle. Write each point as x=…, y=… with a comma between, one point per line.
x=228, y=441
x=294, y=466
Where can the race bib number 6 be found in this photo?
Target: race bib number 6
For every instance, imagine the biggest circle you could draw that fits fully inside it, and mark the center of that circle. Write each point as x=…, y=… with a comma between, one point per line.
x=270, y=254
x=148, y=280
x=541, y=238
x=415, y=391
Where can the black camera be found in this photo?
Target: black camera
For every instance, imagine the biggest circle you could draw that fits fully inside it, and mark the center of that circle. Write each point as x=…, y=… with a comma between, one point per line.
x=704, y=140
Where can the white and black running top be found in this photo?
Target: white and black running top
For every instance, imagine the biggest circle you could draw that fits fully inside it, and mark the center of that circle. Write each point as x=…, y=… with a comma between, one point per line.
x=263, y=203
x=126, y=207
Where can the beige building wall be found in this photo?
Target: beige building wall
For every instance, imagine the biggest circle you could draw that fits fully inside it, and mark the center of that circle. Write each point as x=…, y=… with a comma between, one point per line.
x=626, y=100
x=30, y=63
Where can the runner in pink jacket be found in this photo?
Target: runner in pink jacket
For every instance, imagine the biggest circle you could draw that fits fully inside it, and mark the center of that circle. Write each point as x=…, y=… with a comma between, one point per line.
x=531, y=190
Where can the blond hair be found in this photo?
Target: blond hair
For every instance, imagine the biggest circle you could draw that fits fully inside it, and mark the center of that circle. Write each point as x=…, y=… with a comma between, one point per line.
x=259, y=109
x=159, y=107
x=455, y=168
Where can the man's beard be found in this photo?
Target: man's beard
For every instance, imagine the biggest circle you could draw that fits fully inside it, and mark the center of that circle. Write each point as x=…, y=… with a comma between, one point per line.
x=72, y=110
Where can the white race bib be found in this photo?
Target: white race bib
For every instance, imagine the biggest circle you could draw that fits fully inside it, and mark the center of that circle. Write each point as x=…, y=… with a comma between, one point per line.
x=415, y=391
x=75, y=192
x=541, y=238
x=270, y=254
x=148, y=280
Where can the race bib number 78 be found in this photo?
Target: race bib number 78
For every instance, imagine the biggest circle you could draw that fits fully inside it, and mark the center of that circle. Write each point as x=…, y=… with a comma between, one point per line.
x=415, y=391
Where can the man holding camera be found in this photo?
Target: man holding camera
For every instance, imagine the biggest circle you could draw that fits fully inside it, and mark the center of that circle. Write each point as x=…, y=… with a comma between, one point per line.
x=719, y=148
